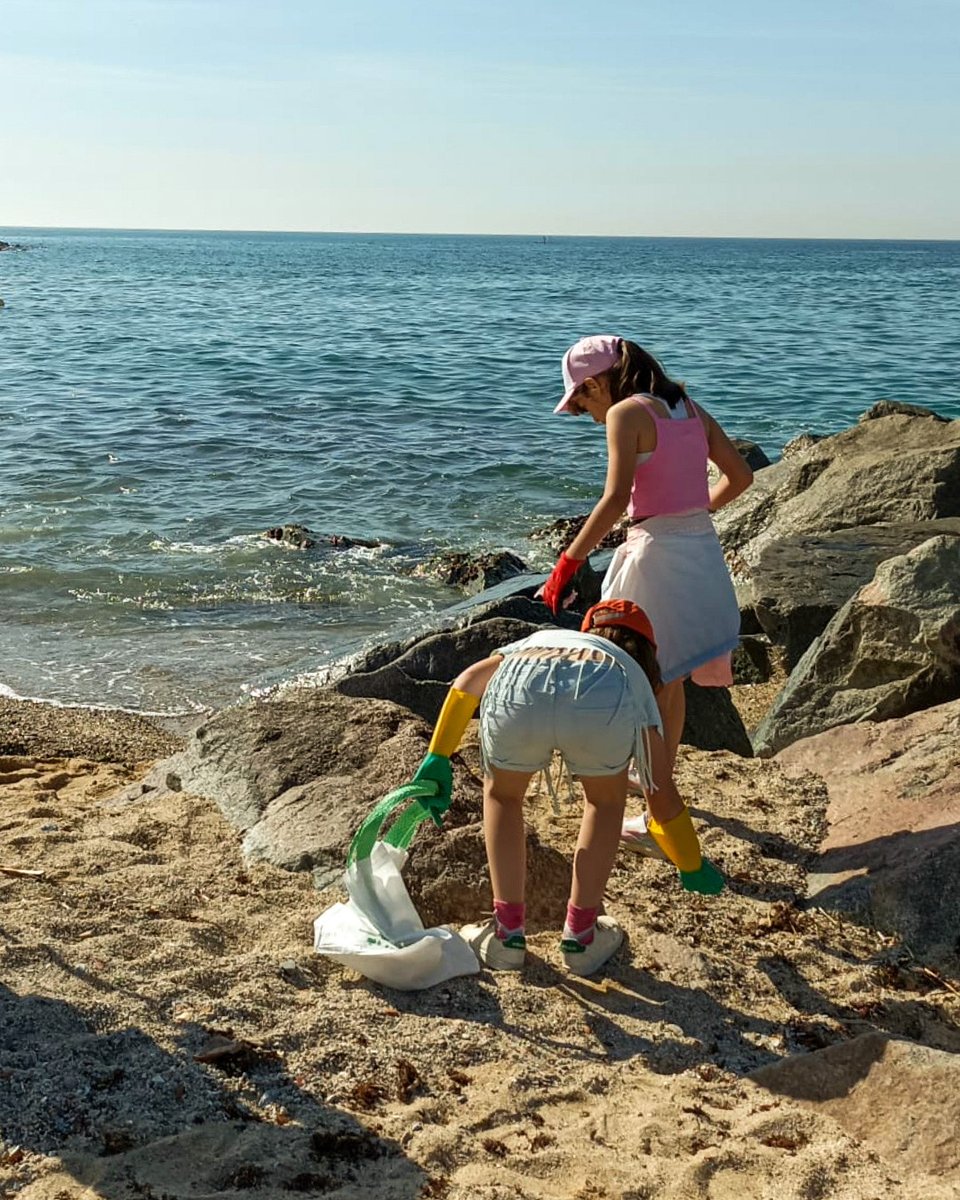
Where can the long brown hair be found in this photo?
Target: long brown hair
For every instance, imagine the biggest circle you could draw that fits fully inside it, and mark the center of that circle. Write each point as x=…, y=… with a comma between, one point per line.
x=636, y=645
x=639, y=372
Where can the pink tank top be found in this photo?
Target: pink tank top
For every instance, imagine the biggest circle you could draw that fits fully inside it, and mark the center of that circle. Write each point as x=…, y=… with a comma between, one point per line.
x=674, y=478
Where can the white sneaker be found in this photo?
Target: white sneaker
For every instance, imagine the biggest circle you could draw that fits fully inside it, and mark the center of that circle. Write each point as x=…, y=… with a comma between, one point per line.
x=637, y=837
x=634, y=785
x=584, y=960
x=492, y=952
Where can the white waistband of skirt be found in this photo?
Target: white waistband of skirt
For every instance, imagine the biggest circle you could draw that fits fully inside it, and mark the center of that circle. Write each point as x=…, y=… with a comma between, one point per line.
x=694, y=523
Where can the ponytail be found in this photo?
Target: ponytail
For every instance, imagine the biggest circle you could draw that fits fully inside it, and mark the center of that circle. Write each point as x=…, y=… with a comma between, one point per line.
x=639, y=373
x=637, y=646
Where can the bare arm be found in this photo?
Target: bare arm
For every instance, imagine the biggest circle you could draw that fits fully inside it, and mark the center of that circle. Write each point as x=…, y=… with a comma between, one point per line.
x=664, y=801
x=474, y=679
x=622, y=425
x=735, y=475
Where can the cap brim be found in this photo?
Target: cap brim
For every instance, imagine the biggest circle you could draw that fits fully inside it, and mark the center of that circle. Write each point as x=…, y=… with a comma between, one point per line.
x=564, y=405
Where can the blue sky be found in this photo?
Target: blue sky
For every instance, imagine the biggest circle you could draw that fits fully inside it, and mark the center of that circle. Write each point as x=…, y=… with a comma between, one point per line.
x=736, y=118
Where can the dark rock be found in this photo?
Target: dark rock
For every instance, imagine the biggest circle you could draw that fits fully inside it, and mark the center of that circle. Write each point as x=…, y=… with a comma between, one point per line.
x=748, y=617
x=897, y=468
x=753, y=454
x=752, y=661
x=586, y=585
x=419, y=676
x=891, y=852
x=800, y=582
x=560, y=533
x=712, y=721
x=299, y=537
x=892, y=649
x=520, y=607
x=474, y=573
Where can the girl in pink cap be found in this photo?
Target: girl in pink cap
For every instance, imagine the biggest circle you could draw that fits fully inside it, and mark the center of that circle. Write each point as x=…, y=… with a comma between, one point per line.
x=671, y=564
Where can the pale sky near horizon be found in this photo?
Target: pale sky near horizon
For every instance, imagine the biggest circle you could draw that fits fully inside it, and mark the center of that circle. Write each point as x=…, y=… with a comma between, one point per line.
x=745, y=118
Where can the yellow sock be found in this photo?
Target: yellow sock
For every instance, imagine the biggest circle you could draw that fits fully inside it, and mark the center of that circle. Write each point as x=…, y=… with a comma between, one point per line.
x=678, y=840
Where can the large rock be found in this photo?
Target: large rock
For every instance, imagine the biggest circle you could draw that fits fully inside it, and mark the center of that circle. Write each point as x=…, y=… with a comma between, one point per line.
x=900, y=1098
x=419, y=674
x=799, y=582
x=713, y=722
x=895, y=466
x=891, y=853
x=473, y=573
x=298, y=776
x=892, y=649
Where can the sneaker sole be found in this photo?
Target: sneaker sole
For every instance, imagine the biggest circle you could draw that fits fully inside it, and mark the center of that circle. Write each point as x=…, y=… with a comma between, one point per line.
x=644, y=846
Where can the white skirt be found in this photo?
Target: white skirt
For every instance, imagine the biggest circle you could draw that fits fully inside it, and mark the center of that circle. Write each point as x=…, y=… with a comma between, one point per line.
x=673, y=567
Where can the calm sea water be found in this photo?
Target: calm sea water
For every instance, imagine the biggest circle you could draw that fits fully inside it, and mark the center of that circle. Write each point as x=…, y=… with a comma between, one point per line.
x=164, y=397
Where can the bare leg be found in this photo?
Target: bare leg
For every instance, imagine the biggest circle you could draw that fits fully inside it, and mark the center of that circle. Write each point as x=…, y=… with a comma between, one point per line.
x=599, y=837
x=672, y=702
x=504, y=832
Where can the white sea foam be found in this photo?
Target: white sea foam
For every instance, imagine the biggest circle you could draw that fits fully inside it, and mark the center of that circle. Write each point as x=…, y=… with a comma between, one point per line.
x=193, y=710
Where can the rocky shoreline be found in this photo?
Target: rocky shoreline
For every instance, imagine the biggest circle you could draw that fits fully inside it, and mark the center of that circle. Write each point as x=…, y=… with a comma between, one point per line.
x=797, y=1037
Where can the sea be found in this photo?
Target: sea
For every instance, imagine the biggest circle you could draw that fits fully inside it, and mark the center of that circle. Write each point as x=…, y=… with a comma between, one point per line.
x=166, y=397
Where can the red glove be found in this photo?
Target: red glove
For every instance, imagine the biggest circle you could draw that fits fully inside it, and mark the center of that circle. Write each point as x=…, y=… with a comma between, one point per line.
x=553, y=590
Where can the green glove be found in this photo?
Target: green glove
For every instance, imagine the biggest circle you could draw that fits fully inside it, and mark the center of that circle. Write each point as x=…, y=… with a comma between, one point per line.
x=707, y=880
x=437, y=769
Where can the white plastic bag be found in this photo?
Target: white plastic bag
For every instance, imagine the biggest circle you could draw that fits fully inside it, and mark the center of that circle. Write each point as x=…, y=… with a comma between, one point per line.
x=378, y=932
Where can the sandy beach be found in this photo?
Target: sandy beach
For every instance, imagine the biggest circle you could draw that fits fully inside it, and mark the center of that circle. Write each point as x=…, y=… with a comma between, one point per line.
x=169, y=1032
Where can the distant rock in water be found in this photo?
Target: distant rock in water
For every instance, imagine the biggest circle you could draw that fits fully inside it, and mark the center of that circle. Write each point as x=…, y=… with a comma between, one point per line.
x=890, y=408
x=11, y=246
x=299, y=537
x=473, y=573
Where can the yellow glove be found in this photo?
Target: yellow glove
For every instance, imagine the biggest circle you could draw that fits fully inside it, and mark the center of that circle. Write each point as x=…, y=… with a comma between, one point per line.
x=678, y=840
x=454, y=718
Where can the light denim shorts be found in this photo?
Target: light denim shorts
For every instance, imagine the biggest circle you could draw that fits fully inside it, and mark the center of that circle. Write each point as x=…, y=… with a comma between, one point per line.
x=534, y=706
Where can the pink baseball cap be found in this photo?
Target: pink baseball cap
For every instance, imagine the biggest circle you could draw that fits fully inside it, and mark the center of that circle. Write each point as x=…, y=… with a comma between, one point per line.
x=586, y=358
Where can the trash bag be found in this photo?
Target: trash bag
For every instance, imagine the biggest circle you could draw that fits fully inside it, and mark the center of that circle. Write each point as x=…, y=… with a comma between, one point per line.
x=378, y=931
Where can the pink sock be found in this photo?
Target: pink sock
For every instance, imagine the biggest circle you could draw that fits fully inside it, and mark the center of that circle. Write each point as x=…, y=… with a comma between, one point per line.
x=580, y=923
x=510, y=917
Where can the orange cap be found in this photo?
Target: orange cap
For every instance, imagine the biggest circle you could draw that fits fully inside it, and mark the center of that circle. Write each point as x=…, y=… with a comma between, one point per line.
x=619, y=612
